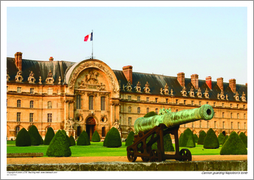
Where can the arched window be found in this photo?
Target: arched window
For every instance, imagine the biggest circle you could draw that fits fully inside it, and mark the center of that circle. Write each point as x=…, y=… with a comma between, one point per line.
x=231, y=115
x=138, y=110
x=49, y=104
x=129, y=121
x=90, y=102
x=49, y=117
x=237, y=115
x=103, y=103
x=19, y=103
x=31, y=104
x=232, y=125
x=214, y=124
x=17, y=130
x=31, y=117
x=222, y=114
x=18, y=116
x=244, y=116
x=78, y=101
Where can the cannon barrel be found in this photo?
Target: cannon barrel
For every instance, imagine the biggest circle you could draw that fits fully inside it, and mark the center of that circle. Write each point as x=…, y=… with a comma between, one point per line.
x=172, y=119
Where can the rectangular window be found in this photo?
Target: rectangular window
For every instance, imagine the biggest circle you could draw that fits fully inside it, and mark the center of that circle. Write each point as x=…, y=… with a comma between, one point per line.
x=223, y=125
x=103, y=132
x=237, y=115
x=192, y=102
x=200, y=124
x=129, y=98
x=31, y=104
x=90, y=102
x=166, y=100
x=238, y=124
x=138, y=98
x=231, y=105
x=78, y=102
x=200, y=103
x=176, y=101
x=147, y=110
x=18, y=116
x=232, y=125
x=31, y=90
x=18, y=103
x=18, y=89
x=49, y=118
x=138, y=110
x=156, y=100
x=214, y=104
x=222, y=105
x=184, y=102
x=207, y=124
x=245, y=125
x=31, y=117
x=214, y=124
x=147, y=99
x=103, y=103
x=129, y=121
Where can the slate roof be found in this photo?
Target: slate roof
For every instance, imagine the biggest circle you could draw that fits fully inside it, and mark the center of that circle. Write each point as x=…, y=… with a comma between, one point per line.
x=156, y=82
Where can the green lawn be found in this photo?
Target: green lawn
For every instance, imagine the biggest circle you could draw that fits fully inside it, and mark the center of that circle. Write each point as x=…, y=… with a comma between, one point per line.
x=97, y=149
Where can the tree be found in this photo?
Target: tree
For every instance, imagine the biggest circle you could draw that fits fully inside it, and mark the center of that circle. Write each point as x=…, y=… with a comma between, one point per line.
x=59, y=146
x=35, y=136
x=96, y=137
x=221, y=138
x=233, y=146
x=243, y=137
x=113, y=138
x=211, y=140
x=201, y=138
x=130, y=139
x=49, y=136
x=23, y=138
x=72, y=140
x=83, y=139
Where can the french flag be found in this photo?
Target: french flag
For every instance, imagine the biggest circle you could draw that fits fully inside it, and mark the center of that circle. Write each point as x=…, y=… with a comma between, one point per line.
x=89, y=37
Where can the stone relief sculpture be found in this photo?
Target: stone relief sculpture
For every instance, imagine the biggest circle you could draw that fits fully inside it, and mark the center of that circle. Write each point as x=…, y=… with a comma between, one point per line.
x=18, y=77
x=50, y=79
x=128, y=86
x=183, y=92
x=236, y=96
x=138, y=87
x=206, y=93
x=192, y=94
x=146, y=88
x=166, y=90
x=31, y=78
x=243, y=97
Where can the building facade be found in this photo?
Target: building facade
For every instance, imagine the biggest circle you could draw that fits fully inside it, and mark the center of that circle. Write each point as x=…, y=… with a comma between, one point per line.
x=90, y=96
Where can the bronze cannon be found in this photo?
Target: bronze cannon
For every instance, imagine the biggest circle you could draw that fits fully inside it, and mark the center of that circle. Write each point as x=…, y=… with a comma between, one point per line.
x=155, y=127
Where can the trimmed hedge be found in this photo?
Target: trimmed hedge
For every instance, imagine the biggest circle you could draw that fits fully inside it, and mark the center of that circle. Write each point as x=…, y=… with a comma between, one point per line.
x=130, y=139
x=221, y=138
x=35, y=136
x=68, y=139
x=168, y=145
x=72, y=140
x=181, y=140
x=243, y=137
x=96, y=137
x=151, y=113
x=211, y=140
x=195, y=138
x=201, y=138
x=59, y=146
x=83, y=139
x=49, y=136
x=233, y=146
x=225, y=139
x=112, y=138
x=187, y=139
x=23, y=138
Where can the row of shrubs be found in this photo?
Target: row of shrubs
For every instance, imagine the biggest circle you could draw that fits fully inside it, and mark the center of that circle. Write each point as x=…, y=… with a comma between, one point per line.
x=231, y=145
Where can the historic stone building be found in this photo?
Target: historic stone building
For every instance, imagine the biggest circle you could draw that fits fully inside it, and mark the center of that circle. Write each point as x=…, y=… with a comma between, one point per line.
x=90, y=96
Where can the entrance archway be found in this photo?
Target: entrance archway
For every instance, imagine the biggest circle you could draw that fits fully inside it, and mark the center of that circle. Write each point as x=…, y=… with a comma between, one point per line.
x=90, y=126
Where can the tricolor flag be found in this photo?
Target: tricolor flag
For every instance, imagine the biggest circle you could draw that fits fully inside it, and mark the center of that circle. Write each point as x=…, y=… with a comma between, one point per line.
x=89, y=37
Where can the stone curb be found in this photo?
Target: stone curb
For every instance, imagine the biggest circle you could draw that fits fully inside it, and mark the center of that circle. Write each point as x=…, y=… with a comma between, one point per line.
x=136, y=166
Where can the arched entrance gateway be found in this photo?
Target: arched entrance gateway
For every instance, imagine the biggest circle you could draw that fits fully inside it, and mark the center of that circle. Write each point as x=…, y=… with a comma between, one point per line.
x=93, y=91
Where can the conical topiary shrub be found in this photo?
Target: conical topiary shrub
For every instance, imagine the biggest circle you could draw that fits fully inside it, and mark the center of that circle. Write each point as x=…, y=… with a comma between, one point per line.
x=68, y=139
x=113, y=138
x=195, y=138
x=49, y=136
x=168, y=145
x=181, y=144
x=149, y=114
x=35, y=136
x=243, y=137
x=96, y=137
x=59, y=146
x=187, y=137
x=233, y=146
x=130, y=139
x=72, y=140
x=211, y=140
x=225, y=139
x=201, y=137
x=23, y=138
x=221, y=138
x=83, y=139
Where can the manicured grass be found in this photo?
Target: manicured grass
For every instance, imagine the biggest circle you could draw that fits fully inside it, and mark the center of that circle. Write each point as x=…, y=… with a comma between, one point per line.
x=97, y=149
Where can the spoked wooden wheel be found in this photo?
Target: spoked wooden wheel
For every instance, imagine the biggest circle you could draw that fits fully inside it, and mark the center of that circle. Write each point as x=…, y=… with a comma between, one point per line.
x=186, y=155
x=130, y=155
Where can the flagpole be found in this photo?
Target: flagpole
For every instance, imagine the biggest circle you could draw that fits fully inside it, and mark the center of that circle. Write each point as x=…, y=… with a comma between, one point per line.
x=92, y=44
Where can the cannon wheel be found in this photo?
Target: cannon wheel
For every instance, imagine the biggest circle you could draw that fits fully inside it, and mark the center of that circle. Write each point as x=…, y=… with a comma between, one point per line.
x=130, y=155
x=185, y=155
x=154, y=156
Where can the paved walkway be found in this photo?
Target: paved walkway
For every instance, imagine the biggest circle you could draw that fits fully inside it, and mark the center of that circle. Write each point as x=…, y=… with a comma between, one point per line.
x=60, y=160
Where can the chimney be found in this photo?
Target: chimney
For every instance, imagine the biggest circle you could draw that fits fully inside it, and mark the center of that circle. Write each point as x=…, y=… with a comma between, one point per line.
x=232, y=85
x=51, y=59
x=181, y=78
x=127, y=71
x=194, y=80
x=220, y=83
x=246, y=84
x=18, y=60
x=209, y=81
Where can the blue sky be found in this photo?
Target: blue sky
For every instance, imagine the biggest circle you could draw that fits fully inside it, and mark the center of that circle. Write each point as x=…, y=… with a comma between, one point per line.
x=208, y=41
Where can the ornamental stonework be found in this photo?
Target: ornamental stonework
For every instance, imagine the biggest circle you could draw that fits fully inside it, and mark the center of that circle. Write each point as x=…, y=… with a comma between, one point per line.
x=18, y=77
x=31, y=78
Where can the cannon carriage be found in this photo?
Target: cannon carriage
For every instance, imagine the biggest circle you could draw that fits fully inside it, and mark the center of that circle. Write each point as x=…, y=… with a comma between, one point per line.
x=149, y=130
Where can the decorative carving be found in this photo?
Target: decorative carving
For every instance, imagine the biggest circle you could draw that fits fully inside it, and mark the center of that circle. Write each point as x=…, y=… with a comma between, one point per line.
x=172, y=92
x=192, y=94
x=206, y=93
x=18, y=77
x=161, y=91
x=7, y=77
x=226, y=96
x=128, y=86
x=146, y=88
x=222, y=96
x=116, y=124
x=31, y=78
x=91, y=77
x=138, y=87
x=40, y=80
x=59, y=80
x=92, y=94
x=183, y=92
x=104, y=118
x=123, y=87
x=165, y=90
x=236, y=96
x=50, y=79
x=243, y=97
